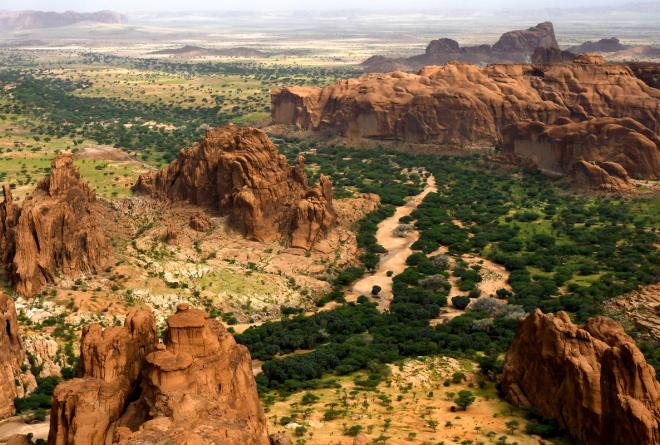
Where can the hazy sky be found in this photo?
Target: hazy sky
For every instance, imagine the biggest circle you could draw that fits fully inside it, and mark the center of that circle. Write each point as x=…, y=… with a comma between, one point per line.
x=161, y=5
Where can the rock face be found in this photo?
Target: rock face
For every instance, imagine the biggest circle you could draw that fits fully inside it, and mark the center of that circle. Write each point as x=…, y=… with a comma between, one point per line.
x=239, y=172
x=86, y=410
x=57, y=230
x=648, y=72
x=545, y=56
x=197, y=387
x=588, y=149
x=461, y=105
x=512, y=47
x=12, y=356
x=592, y=379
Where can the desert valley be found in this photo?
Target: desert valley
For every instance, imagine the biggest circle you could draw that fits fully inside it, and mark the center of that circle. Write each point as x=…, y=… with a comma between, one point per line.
x=337, y=226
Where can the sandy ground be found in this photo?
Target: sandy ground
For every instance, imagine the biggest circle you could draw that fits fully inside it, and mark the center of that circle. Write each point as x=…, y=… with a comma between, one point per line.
x=398, y=250
x=402, y=408
x=15, y=425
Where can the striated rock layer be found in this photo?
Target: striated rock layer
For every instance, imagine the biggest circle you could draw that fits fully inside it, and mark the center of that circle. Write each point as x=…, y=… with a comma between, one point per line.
x=196, y=388
x=461, y=105
x=55, y=231
x=239, y=172
x=592, y=379
x=12, y=355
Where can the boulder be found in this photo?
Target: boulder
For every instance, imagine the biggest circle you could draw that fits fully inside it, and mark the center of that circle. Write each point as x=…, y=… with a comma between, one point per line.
x=200, y=222
x=12, y=355
x=280, y=439
x=592, y=379
x=57, y=230
x=239, y=172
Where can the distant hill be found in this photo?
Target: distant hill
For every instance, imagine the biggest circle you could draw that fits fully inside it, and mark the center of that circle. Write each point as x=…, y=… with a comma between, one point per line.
x=17, y=20
x=191, y=51
x=512, y=47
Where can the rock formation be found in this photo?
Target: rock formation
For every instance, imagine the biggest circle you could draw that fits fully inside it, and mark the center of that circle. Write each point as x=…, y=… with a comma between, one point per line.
x=610, y=45
x=545, y=56
x=197, y=387
x=592, y=379
x=200, y=222
x=512, y=47
x=55, y=231
x=12, y=356
x=86, y=410
x=648, y=72
x=605, y=176
x=560, y=148
x=239, y=172
x=460, y=105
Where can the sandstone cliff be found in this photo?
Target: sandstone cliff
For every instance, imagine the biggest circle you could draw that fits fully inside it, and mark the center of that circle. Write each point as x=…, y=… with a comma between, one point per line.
x=592, y=379
x=558, y=148
x=12, y=356
x=461, y=105
x=239, y=172
x=55, y=231
x=512, y=47
x=197, y=387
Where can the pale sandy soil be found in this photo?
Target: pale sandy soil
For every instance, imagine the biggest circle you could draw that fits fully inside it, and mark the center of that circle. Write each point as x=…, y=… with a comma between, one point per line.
x=405, y=402
x=15, y=425
x=398, y=250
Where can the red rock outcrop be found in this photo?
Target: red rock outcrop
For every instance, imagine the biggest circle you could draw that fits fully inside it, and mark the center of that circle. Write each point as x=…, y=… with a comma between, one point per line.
x=592, y=379
x=561, y=147
x=239, y=172
x=12, y=355
x=460, y=105
x=512, y=47
x=57, y=230
x=196, y=387
x=200, y=222
x=545, y=56
x=86, y=410
x=605, y=176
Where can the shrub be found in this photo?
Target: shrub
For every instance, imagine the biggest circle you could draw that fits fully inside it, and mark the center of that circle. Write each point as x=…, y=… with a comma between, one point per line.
x=460, y=302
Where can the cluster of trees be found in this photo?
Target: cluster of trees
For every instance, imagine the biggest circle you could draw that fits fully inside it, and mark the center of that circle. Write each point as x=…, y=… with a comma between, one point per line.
x=566, y=253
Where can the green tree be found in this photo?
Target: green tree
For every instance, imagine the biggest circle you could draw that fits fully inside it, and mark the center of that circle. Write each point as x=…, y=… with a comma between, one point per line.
x=464, y=399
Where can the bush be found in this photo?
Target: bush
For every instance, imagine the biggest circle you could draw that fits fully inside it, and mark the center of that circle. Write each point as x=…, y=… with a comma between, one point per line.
x=460, y=302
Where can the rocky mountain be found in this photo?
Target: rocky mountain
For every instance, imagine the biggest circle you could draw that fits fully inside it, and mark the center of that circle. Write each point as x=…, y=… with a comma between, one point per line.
x=620, y=146
x=197, y=387
x=16, y=20
x=592, y=379
x=12, y=355
x=512, y=47
x=461, y=105
x=240, y=173
x=55, y=231
x=610, y=45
